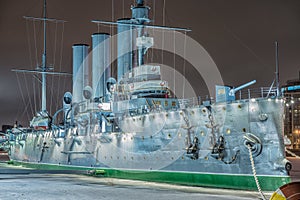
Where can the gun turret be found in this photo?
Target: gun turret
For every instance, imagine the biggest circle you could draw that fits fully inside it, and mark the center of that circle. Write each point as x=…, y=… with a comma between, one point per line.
x=234, y=90
x=225, y=93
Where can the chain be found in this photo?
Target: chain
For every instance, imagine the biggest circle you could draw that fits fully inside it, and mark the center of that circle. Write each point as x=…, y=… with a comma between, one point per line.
x=254, y=173
x=293, y=154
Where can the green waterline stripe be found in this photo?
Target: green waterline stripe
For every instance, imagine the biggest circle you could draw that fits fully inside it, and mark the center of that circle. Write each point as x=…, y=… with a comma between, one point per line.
x=49, y=165
x=229, y=181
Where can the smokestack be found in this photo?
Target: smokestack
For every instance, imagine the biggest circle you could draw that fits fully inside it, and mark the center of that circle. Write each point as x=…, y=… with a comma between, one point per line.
x=100, y=63
x=140, y=12
x=80, y=71
x=125, y=47
x=127, y=35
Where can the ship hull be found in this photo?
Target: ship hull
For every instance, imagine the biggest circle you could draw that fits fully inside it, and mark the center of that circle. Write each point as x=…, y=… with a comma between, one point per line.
x=160, y=148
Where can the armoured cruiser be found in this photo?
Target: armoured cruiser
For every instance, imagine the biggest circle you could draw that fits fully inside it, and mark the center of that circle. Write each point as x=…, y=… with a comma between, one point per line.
x=136, y=127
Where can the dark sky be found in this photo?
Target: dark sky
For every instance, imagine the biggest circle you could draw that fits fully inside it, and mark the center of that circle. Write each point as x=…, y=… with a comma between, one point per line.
x=238, y=34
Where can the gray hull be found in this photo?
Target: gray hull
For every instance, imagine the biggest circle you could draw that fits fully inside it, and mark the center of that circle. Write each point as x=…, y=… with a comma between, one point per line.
x=160, y=141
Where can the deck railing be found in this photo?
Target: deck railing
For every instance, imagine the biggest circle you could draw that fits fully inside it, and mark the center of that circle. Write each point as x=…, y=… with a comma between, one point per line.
x=262, y=92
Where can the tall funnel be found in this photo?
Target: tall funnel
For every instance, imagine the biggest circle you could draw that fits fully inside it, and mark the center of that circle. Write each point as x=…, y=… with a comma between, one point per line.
x=80, y=71
x=140, y=12
x=127, y=36
x=100, y=63
x=125, y=47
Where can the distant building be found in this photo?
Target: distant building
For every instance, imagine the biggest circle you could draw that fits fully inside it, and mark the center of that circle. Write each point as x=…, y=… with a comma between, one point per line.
x=291, y=92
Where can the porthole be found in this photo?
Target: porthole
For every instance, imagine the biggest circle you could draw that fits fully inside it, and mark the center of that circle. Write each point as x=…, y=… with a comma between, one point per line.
x=228, y=131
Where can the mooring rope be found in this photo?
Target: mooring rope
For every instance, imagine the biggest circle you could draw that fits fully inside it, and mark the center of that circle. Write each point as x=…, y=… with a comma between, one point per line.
x=254, y=173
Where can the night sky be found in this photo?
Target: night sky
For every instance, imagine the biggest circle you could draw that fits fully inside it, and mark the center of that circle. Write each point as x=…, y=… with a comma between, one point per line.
x=238, y=34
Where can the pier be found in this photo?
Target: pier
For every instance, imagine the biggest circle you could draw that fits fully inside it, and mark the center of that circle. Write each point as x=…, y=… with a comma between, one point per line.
x=23, y=183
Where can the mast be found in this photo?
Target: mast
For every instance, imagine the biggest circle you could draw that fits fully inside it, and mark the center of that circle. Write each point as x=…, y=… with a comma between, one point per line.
x=44, y=61
x=43, y=69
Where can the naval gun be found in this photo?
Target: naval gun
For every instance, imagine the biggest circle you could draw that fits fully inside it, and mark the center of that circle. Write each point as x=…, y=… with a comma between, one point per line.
x=226, y=93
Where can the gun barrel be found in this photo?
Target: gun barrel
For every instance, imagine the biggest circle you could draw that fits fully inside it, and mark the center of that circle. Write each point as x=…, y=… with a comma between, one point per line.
x=244, y=86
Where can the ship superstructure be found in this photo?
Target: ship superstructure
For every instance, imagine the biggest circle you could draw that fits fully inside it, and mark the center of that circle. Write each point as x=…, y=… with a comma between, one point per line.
x=134, y=126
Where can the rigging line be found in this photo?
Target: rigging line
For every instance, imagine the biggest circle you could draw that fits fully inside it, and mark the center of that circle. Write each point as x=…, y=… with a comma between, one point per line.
x=112, y=14
x=58, y=82
x=38, y=86
x=167, y=18
x=51, y=91
x=23, y=113
x=244, y=44
x=44, y=14
x=60, y=61
x=22, y=95
x=29, y=98
x=111, y=29
x=29, y=46
x=237, y=38
x=55, y=44
x=123, y=9
x=154, y=8
x=30, y=59
x=54, y=60
x=164, y=12
x=34, y=93
x=163, y=33
x=174, y=71
x=184, y=51
x=54, y=64
x=35, y=46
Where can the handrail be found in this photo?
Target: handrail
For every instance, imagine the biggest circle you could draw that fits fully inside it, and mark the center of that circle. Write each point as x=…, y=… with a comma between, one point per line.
x=245, y=94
